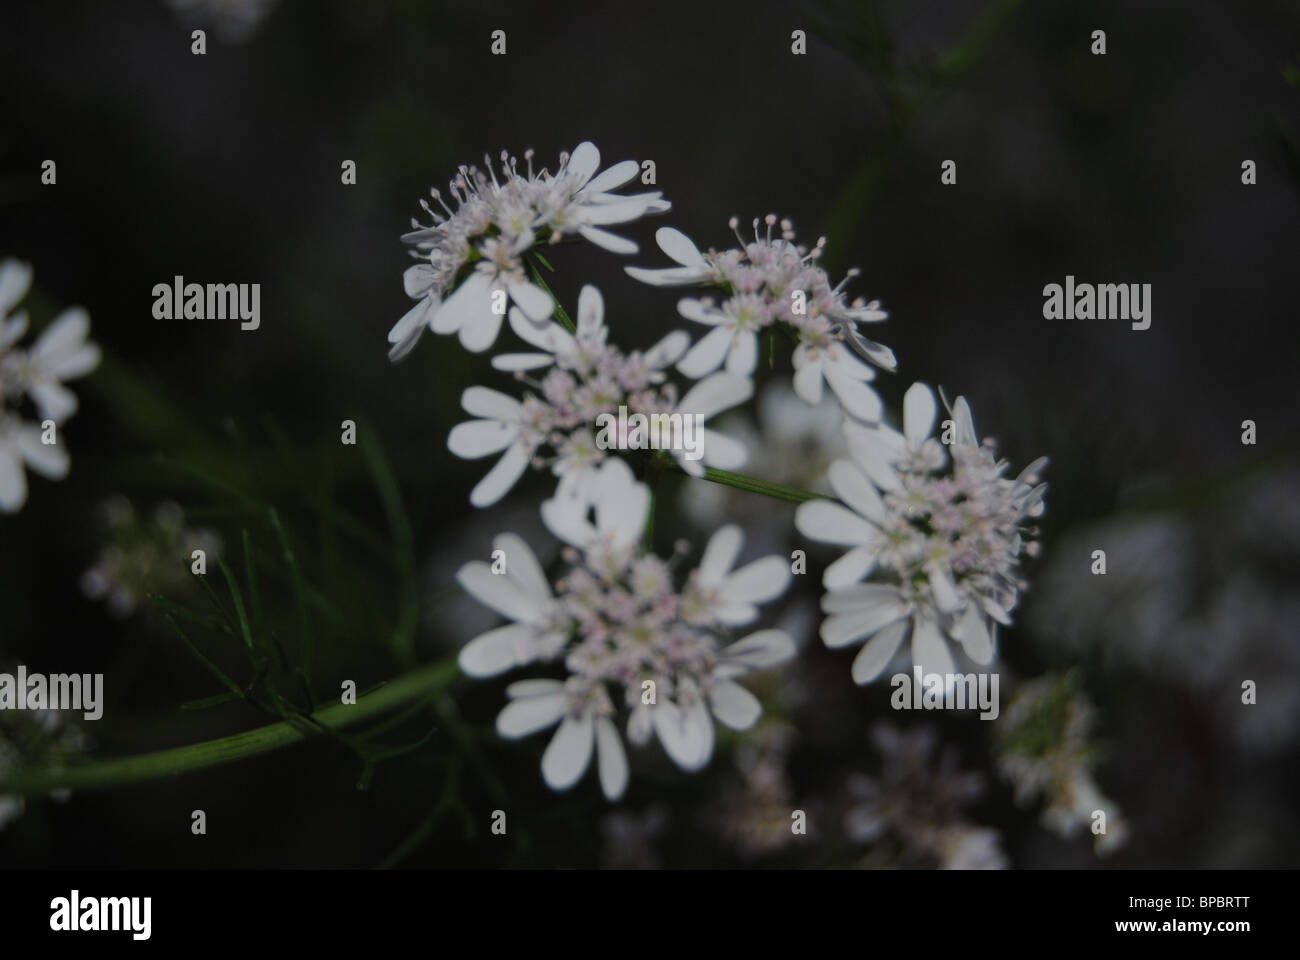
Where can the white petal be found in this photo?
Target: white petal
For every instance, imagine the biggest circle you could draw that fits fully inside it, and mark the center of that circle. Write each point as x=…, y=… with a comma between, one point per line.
x=850, y=568
x=497, y=650
x=700, y=312
x=529, y=714
x=734, y=705
x=713, y=394
x=743, y=358
x=669, y=276
x=858, y=596
x=54, y=401
x=479, y=438
x=501, y=477
x=608, y=241
x=13, y=481
x=720, y=555
x=63, y=337
x=583, y=163
x=591, y=312
x=808, y=381
x=858, y=399
x=569, y=752
x=759, y=650
x=522, y=566
x=856, y=490
x=611, y=761
x=15, y=278
x=535, y=302
x=50, y=460
x=759, y=581
x=412, y=321
x=941, y=585
x=470, y=302
x=491, y=404
x=667, y=350
x=841, y=629
x=479, y=334
x=876, y=653
x=833, y=523
x=707, y=355
x=550, y=337
x=722, y=451
x=511, y=362
x=686, y=734
x=613, y=177
x=498, y=592
x=618, y=211
x=679, y=247
x=418, y=279
x=929, y=651
x=973, y=633
x=918, y=414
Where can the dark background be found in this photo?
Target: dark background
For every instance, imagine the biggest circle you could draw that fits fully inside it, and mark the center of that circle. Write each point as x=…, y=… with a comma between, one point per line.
x=225, y=168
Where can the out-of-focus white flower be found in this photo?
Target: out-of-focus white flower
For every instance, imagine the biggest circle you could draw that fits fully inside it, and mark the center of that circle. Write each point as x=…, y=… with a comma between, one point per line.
x=917, y=803
x=36, y=377
x=587, y=377
x=946, y=545
x=620, y=624
x=144, y=556
x=38, y=738
x=473, y=257
x=1044, y=750
x=772, y=280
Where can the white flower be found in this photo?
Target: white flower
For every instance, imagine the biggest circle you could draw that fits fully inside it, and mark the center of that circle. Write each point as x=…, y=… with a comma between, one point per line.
x=585, y=727
x=772, y=280
x=36, y=376
x=717, y=594
x=617, y=621
x=494, y=226
x=505, y=424
x=587, y=378
x=821, y=357
x=948, y=547
x=523, y=594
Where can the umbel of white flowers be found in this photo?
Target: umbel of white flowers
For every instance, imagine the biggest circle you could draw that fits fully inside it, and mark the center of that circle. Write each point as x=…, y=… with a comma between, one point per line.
x=585, y=377
x=34, y=378
x=628, y=637
x=941, y=532
x=772, y=280
x=476, y=249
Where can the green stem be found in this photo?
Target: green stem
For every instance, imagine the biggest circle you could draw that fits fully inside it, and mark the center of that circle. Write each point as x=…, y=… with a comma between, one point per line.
x=211, y=753
x=560, y=313
x=753, y=485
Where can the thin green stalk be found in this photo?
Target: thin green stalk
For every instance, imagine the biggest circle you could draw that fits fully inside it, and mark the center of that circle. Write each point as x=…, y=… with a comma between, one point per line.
x=560, y=313
x=120, y=771
x=753, y=485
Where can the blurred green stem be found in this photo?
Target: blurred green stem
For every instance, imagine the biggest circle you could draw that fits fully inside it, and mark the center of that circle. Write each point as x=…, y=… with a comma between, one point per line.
x=404, y=689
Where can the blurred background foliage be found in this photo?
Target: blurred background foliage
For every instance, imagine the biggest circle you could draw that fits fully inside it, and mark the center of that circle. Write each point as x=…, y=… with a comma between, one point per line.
x=225, y=168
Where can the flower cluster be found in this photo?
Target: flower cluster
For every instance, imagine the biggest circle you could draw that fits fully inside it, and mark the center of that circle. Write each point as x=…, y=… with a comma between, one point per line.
x=472, y=255
x=1045, y=750
x=943, y=531
x=919, y=804
x=587, y=377
x=772, y=280
x=40, y=738
x=36, y=375
x=143, y=555
x=624, y=632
